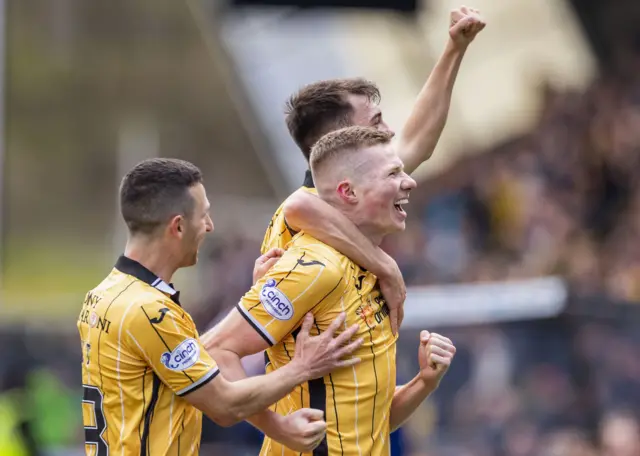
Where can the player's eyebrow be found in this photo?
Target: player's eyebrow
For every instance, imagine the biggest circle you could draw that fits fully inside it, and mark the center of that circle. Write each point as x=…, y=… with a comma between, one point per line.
x=399, y=167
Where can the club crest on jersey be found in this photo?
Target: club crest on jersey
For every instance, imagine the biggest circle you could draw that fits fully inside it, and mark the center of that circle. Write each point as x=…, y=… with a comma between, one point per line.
x=275, y=301
x=182, y=357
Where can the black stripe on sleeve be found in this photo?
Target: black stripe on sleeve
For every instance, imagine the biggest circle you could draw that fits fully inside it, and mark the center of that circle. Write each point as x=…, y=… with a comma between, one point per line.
x=162, y=339
x=292, y=269
x=292, y=232
x=253, y=325
x=144, y=448
x=328, y=294
x=200, y=385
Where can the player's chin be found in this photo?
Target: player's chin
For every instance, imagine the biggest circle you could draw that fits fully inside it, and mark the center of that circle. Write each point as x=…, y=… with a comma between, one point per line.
x=400, y=226
x=395, y=226
x=192, y=260
x=398, y=221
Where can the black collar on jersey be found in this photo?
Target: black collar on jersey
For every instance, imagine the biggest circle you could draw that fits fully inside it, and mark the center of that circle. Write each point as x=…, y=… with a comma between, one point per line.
x=308, y=180
x=132, y=267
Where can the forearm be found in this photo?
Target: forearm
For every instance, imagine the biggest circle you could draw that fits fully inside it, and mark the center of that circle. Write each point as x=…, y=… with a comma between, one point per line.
x=406, y=399
x=422, y=131
x=327, y=224
x=249, y=397
x=231, y=367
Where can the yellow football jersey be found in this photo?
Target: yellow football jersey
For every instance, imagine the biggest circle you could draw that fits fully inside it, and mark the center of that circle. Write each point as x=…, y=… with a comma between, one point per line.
x=313, y=277
x=279, y=233
x=141, y=354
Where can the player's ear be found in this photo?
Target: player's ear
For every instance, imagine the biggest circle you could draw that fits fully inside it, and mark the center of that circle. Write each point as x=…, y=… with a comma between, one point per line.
x=346, y=192
x=176, y=225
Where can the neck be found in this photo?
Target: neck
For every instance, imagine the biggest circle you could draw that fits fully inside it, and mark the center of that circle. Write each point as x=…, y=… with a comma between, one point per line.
x=371, y=233
x=151, y=254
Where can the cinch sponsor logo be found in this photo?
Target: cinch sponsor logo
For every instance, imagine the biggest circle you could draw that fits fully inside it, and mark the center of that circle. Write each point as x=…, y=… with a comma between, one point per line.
x=182, y=357
x=275, y=302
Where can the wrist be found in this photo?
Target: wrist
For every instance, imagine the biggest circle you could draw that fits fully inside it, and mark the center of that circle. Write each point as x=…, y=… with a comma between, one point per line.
x=387, y=267
x=430, y=384
x=455, y=47
x=296, y=372
x=277, y=426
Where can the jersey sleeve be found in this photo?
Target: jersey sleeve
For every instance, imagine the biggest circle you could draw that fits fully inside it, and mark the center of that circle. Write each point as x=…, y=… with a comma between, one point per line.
x=169, y=342
x=295, y=285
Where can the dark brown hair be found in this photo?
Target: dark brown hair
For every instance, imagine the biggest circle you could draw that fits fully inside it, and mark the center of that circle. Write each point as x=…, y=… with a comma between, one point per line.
x=321, y=107
x=156, y=190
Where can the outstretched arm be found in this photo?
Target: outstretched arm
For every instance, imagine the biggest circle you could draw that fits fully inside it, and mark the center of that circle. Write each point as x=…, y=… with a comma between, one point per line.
x=422, y=131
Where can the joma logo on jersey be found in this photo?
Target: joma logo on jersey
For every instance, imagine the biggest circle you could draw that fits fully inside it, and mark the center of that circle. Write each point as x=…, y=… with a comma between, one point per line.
x=183, y=357
x=275, y=302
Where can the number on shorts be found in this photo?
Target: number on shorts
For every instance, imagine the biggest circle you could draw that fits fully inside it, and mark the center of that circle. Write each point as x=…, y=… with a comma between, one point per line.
x=93, y=435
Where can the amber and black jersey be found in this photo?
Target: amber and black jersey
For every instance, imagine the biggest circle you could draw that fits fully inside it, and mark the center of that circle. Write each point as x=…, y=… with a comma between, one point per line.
x=141, y=354
x=313, y=277
x=279, y=233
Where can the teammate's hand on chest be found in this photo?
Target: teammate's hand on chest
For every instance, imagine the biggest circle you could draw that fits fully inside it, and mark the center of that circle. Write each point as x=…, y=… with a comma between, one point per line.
x=320, y=355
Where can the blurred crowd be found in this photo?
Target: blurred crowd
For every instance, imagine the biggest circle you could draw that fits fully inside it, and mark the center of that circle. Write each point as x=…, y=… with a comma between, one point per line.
x=563, y=387
x=563, y=199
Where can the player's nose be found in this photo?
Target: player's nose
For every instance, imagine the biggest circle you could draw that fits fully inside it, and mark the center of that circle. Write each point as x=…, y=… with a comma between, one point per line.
x=408, y=183
x=383, y=126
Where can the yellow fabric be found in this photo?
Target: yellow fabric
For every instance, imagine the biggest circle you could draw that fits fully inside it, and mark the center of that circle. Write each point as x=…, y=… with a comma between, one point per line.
x=312, y=276
x=133, y=340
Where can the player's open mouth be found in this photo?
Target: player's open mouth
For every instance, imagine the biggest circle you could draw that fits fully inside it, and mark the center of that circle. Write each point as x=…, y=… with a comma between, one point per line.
x=398, y=205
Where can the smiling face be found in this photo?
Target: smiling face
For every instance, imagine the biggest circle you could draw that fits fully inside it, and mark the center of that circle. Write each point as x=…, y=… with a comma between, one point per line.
x=195, y=226
x=381, y=190
x=185, y=232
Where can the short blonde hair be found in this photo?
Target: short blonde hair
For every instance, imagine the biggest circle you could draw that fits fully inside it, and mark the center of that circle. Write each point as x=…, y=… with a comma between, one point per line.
x=339, y=142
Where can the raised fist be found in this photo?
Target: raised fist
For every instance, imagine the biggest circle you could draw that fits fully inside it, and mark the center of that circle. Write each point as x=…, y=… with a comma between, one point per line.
x=465, y=24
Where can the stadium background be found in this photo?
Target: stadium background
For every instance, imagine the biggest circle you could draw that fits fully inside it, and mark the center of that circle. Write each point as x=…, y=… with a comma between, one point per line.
x=523, y=243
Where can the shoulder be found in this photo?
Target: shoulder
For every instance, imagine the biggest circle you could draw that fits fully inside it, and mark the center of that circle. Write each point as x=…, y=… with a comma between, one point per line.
x=146, y=306
x=308, y=249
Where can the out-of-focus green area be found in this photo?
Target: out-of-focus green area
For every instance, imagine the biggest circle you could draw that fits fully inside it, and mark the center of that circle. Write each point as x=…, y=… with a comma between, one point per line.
x=78, y=77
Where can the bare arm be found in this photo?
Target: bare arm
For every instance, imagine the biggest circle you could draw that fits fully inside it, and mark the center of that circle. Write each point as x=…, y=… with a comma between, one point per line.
x=230, y=341
x=406, y=399
x=230, y=402
x=234, y=339
x=435, y=354
x=426, y=122
x=309, y=213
